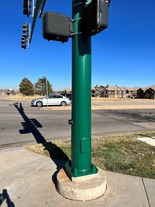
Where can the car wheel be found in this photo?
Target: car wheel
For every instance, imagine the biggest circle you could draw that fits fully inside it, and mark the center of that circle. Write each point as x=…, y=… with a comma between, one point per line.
x=39, y=104
x=63, y=103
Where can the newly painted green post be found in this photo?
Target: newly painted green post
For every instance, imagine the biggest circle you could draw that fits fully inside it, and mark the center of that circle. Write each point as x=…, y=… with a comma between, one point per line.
x=81, y=97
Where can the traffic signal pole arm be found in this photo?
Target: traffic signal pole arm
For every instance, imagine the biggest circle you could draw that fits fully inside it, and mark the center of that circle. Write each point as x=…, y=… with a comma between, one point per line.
x=39, y=8
x=41, y=11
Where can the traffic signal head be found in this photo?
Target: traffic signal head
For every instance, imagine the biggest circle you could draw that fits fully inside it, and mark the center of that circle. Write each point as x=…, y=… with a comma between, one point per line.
x=25, y=36
x=56, y=26
x=23, y=42
x=26, y=30
x=27, y=7
x=95, y=17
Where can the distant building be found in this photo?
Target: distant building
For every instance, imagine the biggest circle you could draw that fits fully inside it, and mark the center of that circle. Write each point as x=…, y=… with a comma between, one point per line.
x=113, y=91
x=7, y=92
x=148, y=92
x=123, y=92
x=118, y=92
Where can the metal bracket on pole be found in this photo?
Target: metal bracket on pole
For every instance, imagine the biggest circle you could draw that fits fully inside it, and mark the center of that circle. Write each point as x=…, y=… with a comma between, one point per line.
x=77, y=19
x=70, y=121
x=77, y=4
x=76, y=33
x=74, y=20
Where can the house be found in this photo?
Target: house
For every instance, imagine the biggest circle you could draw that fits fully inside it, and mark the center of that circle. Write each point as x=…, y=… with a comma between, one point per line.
x=99, y=91
x=109, y=91
x=133, y=91
x=148, y=92
x=7, y=91
x=113, y=91
x=141, y=93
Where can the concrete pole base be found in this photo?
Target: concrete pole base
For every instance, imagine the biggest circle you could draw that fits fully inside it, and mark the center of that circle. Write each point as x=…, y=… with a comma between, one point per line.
x=81, y=188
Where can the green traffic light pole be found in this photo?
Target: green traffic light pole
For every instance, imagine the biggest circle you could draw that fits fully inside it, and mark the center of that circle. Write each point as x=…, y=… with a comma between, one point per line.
x=81, y=164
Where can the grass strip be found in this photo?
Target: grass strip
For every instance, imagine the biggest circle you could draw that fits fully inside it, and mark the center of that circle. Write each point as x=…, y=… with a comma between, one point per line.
x=123, y=154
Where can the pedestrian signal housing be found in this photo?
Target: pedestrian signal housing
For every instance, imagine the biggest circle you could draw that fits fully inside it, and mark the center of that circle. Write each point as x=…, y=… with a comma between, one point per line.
x=95, y=17
x=56, y=26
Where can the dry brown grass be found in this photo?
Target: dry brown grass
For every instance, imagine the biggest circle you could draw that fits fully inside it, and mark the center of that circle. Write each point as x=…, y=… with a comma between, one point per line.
x=20, y=97
x=106, y=99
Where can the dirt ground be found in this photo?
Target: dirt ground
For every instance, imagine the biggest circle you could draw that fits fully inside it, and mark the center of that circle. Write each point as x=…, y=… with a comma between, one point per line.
x=97, y=103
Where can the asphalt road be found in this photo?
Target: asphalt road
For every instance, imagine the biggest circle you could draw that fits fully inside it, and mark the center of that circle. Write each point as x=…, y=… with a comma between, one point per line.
x=21, y=124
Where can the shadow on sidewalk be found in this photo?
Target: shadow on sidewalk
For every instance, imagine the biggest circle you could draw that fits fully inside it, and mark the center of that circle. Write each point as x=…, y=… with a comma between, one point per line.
x=30, y=126
x=4, y=196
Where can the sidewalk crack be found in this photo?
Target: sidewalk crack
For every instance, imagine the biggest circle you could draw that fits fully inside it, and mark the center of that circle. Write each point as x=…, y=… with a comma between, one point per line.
x=26, y=176
x=146, y=192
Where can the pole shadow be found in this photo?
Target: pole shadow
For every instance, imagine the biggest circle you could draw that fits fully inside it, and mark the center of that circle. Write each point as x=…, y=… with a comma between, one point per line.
x=4, y=196
x=30, y=126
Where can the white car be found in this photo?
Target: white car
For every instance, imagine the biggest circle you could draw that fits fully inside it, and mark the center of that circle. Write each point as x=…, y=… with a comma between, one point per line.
x=51, y=100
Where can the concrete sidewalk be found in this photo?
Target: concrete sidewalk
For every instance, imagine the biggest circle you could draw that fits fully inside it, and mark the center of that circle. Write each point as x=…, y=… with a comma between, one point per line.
x=27, y=180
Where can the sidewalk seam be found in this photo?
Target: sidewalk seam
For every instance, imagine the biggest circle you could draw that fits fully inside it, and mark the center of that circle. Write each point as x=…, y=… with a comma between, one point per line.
x=146, y=192
x=27, y=175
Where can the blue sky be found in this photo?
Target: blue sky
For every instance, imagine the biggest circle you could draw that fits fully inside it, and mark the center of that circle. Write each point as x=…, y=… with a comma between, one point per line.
x=123, y=54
